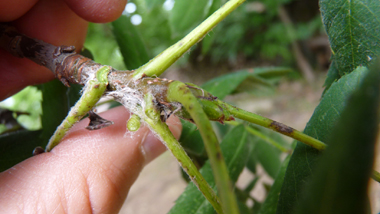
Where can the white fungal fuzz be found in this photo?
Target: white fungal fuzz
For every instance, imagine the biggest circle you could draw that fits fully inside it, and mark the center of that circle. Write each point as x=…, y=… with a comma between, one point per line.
x=131, y=99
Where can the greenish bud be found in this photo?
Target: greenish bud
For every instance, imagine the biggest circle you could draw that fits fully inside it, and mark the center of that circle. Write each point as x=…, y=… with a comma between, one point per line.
x=133, y=123
x=150, y=109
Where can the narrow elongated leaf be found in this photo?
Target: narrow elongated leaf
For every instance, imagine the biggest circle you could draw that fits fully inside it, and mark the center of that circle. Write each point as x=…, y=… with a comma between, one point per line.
x=353, y=28
x=16, y=147
x=227, y=84
x=209, y=39
x=191, y=139
x=340, y=182
x=268, y=156
x=270, y=204
x=185, y=15
x=235, y=151
x=131, y=45
x=320, y=126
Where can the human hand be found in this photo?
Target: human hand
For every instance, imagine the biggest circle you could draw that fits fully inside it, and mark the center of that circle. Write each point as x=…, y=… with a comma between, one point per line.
x=88, y=171
x=59, y=22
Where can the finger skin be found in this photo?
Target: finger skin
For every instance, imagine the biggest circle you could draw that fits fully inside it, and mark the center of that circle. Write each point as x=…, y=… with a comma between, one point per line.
x=98, y=11
x=54, y=21
x=90, y=171
x=11, y=10
x=50, y=21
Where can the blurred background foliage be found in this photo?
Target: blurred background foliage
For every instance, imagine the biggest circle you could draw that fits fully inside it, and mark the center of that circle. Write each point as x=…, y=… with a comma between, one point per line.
x=251, y=51
x=253, y=35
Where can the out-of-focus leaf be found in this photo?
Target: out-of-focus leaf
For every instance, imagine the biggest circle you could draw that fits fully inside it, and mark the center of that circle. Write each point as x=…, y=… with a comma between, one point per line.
x=270, y=204
x=235, y=150
x=265, y=152
x=207, y=42
x=154, y=3
x=252, y=159
x=87, y=53
x=340, y=180
x=57, y=100
x=257, y=77
x=209, y=39
x=243, y=208
x=191, y=139
x=353, y=29
x=226, y=84
x=27, y=106
x=221, y=129
x=16, y=147
x=185, y=15
x=268, y=156
x=103, y=46
x=324, y=118
x=271, y=72
x=251, y=185
x=131, y=45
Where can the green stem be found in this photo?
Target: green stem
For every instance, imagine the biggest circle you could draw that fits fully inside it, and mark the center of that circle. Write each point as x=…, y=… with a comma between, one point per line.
x=152, y=118
x=276, y=126
x=262, y=136
x=92, y=93
x=179, y=92
x=165, y=59
x=283, y=129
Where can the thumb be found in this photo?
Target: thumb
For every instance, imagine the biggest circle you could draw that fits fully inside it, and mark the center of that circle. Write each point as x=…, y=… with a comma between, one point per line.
x=90, y=171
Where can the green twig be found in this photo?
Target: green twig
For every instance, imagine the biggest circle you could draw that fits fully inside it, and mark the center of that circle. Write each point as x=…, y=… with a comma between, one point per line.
x=152, y=118
x=276, y=126
x=92, y=93
x=179, y=92
x=283, y=129
x=164, y=60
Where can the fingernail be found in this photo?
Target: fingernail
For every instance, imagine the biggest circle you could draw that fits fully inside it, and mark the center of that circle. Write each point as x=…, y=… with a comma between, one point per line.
x=151, y=147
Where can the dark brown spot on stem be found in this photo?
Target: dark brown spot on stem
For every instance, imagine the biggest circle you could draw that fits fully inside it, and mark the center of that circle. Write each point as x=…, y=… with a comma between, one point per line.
x=281, y=128
x=219, y=156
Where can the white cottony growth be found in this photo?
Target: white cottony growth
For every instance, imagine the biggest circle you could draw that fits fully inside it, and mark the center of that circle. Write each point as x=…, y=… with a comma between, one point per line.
x=130, y=98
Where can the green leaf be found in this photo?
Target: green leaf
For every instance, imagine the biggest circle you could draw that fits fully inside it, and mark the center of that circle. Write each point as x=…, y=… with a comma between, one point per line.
x=16, y=147
x=264, y=152
x=235, y=151
x=209, y=39
x=227, y=84
x=320, y=126
x=101, y=43
x=57, y=100
x=340, y=181
x=353, y=28
x=185, y=15
x=270, y=204
x=191, y=139
x=131, y=45
x=150, y=4
x=268, y=156
x=332, y=76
